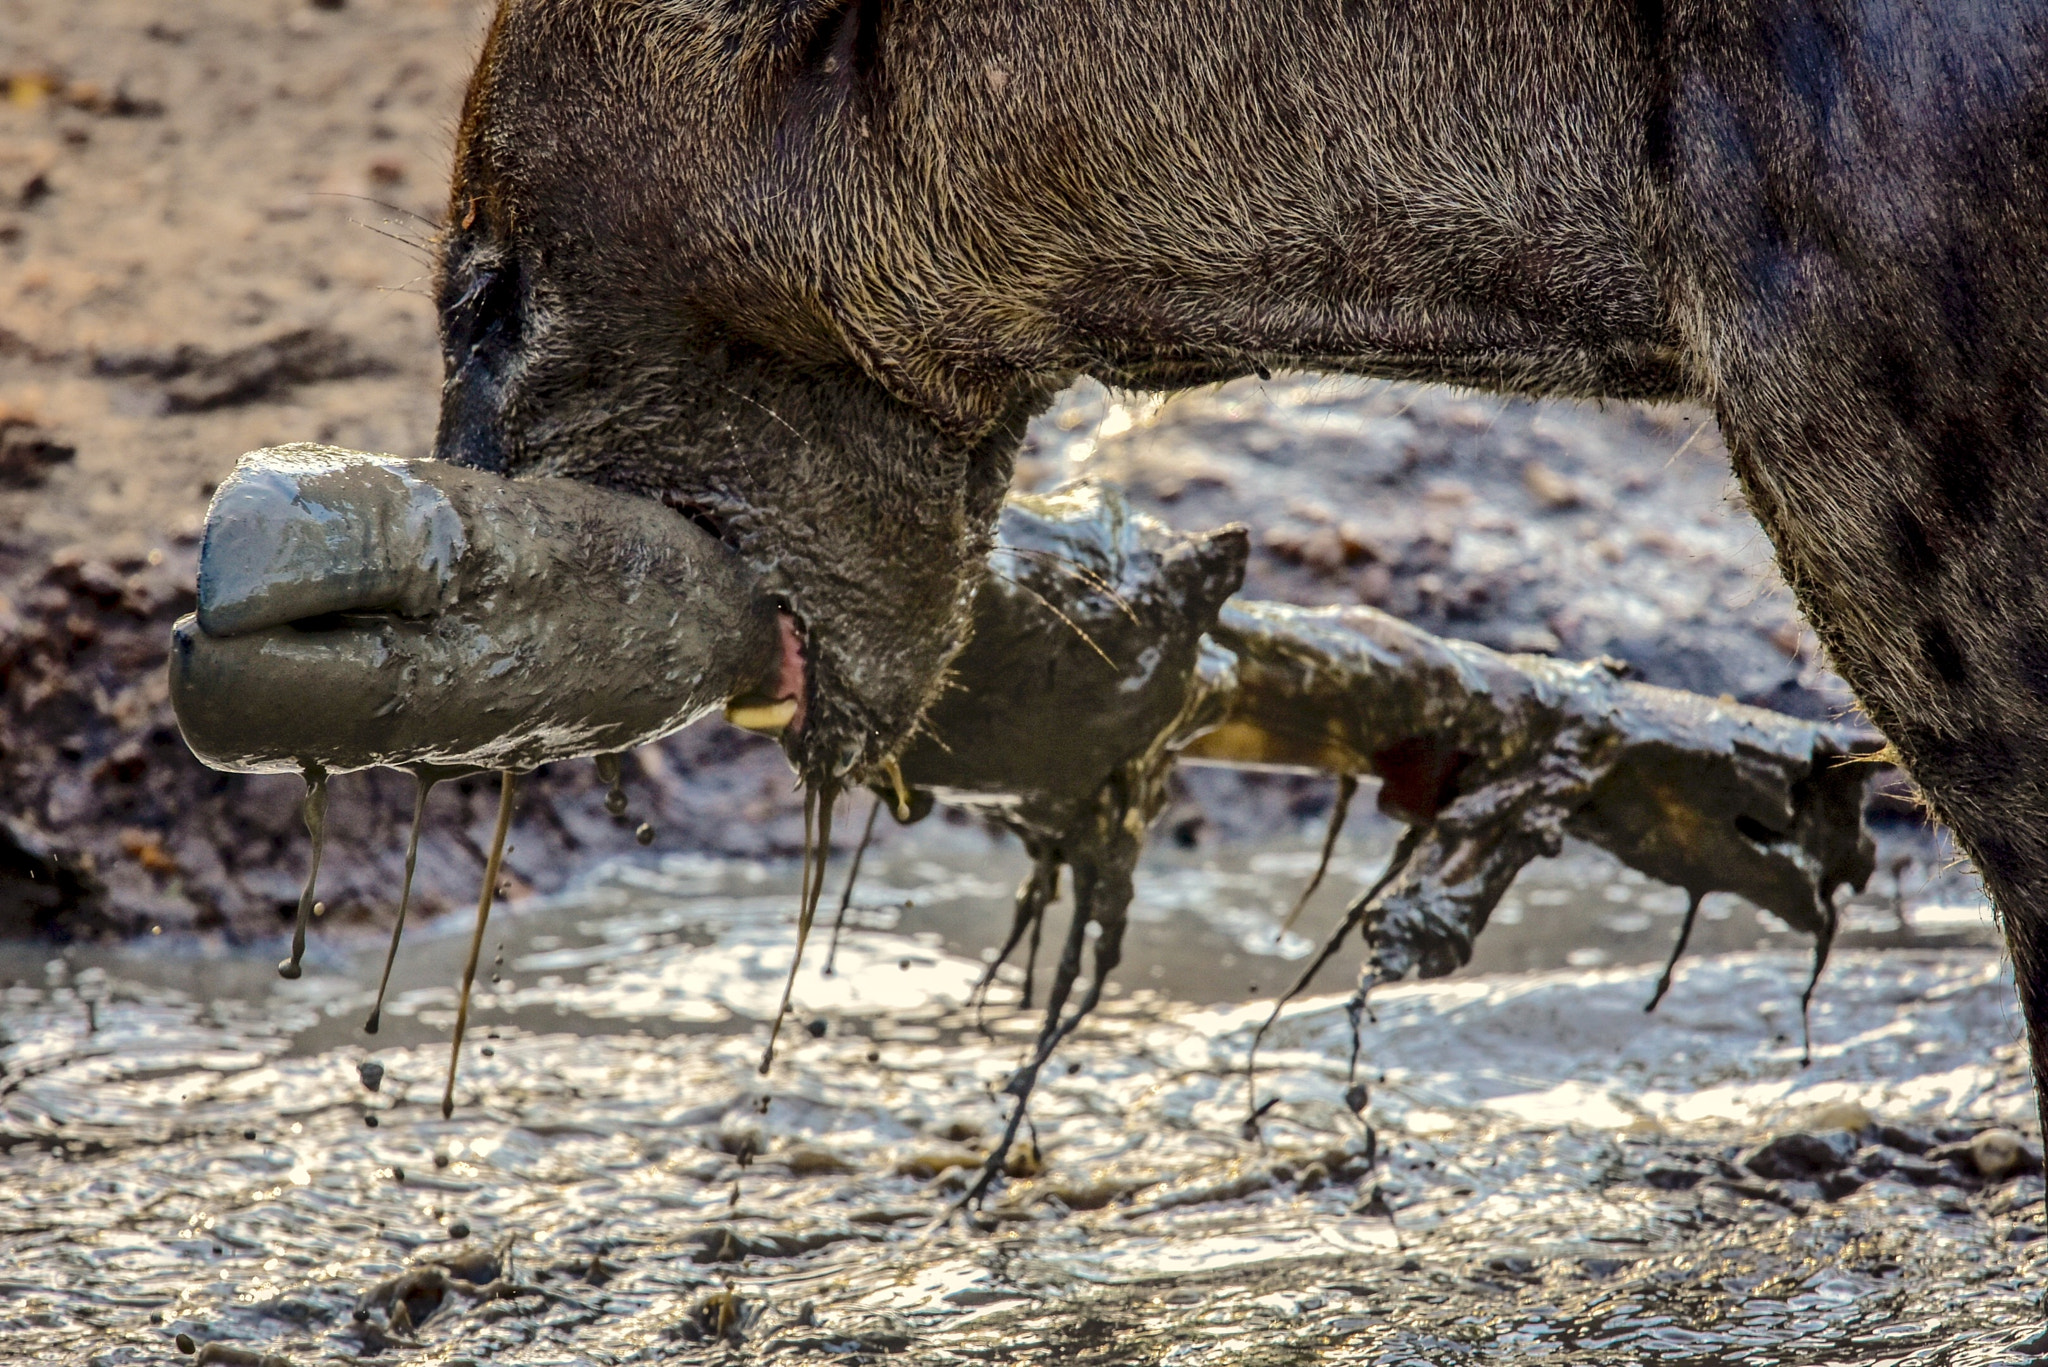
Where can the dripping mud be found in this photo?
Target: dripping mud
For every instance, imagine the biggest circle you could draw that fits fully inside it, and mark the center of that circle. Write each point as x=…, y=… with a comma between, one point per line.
x=1497, y=1162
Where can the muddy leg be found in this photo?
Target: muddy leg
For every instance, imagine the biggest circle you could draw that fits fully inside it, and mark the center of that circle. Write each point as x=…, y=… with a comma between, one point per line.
x=1877, y=370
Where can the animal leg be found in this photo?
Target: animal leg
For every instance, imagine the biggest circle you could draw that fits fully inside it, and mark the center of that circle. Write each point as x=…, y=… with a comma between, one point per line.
x=1857, y=279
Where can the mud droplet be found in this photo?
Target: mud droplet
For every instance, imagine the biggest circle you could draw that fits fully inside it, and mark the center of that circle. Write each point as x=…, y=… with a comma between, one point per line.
x=316, y=826
x=610, y=773
x=458, y=1230
x=371, y=1072
x=186, y=1345
x=370, y=1119
x=645, y=835
x=1356, y=1096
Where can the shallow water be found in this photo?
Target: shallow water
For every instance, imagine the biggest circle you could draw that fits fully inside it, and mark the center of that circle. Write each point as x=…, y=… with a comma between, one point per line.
x=190, y=1154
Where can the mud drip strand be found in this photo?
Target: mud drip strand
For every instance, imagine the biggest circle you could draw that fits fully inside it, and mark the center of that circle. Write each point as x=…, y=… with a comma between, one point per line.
x=1347, y=788
x=426, y=778
x=508, y=787
x=860, y=851
x=818, y=802
x=316, y=826
x=1692, y=911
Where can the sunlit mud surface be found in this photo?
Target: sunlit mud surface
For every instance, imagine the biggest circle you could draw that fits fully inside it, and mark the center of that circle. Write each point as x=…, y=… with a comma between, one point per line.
x=191, y=1148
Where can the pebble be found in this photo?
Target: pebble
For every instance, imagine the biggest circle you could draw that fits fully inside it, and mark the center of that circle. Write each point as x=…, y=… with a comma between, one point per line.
x=1997, y=1154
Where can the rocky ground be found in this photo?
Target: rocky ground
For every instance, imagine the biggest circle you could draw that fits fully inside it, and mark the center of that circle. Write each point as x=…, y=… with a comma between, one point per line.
x=214, y=222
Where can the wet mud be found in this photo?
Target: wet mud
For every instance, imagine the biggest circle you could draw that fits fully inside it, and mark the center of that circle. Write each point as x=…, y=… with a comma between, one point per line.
x=288, y=163
x=1547, y=1171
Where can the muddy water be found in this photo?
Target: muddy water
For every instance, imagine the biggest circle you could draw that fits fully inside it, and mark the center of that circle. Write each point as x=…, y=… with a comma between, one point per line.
x=190, y=1150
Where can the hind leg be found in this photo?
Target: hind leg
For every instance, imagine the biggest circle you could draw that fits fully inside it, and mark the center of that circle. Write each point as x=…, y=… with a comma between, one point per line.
x=1858, y=276
x=1932, y=598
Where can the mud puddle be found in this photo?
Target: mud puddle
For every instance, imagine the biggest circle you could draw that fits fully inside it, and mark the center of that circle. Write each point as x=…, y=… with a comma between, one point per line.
x=1551, y=1173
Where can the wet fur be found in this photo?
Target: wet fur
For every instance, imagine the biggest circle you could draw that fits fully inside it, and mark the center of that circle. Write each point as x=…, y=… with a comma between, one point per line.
x=804, y=270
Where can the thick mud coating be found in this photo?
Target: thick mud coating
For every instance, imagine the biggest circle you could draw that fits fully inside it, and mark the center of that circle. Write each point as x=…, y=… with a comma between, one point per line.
x=1108, y=654
x=1493, y=759
x=1087, y=638
x=358, y=610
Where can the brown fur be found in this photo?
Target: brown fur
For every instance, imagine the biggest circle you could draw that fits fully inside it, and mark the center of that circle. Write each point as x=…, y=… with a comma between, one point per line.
x=805, y=268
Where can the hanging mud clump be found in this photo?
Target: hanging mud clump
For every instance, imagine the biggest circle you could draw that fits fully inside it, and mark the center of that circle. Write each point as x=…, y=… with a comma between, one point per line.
x=362, y=610
x=1104, y=653
x=1086, y=662
x=1495, y=758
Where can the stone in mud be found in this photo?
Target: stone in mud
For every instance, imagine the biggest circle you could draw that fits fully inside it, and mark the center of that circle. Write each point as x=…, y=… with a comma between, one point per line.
x=227, y=1355
x=1904, y=1140
x=361, y=610
x=1837, y=1186
x=1801, y=1156
x=1993, y=1155
x=1998, y=1153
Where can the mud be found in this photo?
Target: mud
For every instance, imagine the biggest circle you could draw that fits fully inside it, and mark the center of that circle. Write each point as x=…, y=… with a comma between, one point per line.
x=212, y=184
x=1551, y=1172
x=1490, y=759
x=1495, y=758
x=357, y=610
